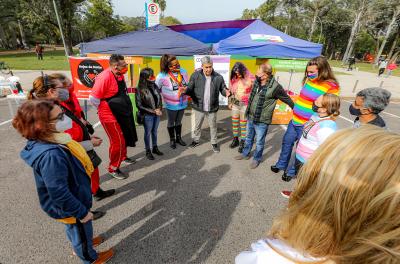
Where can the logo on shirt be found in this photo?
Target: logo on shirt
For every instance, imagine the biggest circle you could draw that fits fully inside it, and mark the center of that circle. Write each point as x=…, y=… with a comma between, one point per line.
x=87, y=72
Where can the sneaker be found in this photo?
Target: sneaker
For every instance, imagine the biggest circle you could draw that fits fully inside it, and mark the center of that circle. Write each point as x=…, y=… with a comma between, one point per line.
x=241, y=157
x=215, y=148
x=97, y=241
x=286, y=194
x=118, y=174
x=194, y=144
x=286, y=177
x=254, y=164
x=103, y=257
x=97, y=215
x=101, y=194
x=128, y=161
x=275, y=169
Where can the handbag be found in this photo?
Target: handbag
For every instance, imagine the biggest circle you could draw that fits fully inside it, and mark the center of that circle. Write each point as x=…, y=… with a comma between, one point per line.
x=96, y=160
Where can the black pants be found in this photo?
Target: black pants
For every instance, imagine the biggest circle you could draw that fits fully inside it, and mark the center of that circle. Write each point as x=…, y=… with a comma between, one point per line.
x=381, y=71
x=175, y=117
x=297, y=166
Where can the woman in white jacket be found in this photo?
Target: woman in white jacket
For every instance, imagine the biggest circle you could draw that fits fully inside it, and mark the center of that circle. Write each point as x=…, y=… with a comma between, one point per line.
x=345, y=207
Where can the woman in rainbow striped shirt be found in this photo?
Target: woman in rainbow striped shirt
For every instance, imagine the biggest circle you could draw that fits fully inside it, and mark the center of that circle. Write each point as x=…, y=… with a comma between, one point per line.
x=318, y=80
x=172, y=80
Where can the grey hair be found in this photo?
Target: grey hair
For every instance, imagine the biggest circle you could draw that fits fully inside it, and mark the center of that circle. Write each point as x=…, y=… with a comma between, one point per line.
x=206, y=60
x=375, y=98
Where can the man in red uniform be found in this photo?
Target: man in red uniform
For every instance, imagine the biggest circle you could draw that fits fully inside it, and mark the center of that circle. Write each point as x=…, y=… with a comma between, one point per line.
x=109, y=95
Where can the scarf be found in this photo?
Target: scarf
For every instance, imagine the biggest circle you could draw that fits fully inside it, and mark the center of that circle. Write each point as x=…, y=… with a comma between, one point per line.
x=76, y=150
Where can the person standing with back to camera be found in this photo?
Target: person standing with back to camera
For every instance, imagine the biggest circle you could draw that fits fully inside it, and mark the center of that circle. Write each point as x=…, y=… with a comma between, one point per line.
x=109, y=95
x=172, y=80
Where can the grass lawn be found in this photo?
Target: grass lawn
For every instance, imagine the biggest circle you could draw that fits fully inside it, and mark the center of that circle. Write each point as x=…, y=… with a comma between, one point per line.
x=52, y=60
x=362, y=66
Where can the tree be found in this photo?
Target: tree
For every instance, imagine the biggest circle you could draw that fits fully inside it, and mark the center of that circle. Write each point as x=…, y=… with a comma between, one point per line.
x=317, y=8
x=162, y=4
x=395, y=17
x=169, y=21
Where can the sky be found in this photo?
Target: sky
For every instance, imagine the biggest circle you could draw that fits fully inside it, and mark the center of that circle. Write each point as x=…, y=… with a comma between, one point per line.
x=191, y=11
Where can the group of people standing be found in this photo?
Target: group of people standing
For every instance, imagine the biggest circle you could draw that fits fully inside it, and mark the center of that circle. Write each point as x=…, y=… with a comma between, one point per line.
x=61, y=142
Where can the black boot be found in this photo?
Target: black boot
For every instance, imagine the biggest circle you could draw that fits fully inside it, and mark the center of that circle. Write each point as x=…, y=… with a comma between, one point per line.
x=101, y=194
x=149, y=155
x=241, y=145
x=157, y=151
x=235, y=142
x=179, y=140
x=172, y=142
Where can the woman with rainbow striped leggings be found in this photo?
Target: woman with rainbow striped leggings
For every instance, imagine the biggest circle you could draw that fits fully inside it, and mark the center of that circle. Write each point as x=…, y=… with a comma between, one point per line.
x=241, y=84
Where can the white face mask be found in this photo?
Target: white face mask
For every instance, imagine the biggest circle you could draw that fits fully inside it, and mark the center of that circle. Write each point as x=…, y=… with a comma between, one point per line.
x=64, y=124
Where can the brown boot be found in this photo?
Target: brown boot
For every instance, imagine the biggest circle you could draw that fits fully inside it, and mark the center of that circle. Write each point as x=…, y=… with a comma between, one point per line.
x=104, y=256
x=97, y=241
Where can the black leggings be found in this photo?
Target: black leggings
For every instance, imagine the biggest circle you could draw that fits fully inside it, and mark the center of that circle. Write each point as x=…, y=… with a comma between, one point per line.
x=297, y=165
x=175, y=117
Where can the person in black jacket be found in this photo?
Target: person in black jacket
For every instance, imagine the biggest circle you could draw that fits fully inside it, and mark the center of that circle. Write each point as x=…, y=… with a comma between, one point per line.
x=204, y=87
x=149, y=103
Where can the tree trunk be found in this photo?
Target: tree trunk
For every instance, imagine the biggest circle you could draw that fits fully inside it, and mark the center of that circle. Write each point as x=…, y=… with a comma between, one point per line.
x=3, y=39
x=13, y=36
x=313, y=25
x=394, y=44
x=388, y=31
x=354, y=30
x=22, y=33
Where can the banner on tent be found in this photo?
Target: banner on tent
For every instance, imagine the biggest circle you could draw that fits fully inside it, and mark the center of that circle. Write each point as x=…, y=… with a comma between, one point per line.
x=288, y=64
x=282, y=112
x=128, y=59
x=221, y=64
x=84, y=71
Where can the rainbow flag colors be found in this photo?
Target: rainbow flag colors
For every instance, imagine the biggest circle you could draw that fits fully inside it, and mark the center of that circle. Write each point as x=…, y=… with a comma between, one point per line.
x=311, y=90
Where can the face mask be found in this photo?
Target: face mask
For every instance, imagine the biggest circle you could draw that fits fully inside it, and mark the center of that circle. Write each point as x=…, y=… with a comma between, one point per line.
x=123, y=71
x=258, y=79
x=312, y=76
x=315, y=108
x=63, y=94
x=64, y=124
x=354, y=111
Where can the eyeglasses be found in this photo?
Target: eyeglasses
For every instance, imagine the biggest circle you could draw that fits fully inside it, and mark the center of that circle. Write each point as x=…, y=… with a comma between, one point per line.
x=59, y=117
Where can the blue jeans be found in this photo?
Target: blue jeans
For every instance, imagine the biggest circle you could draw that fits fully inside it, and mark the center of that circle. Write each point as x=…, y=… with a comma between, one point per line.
x=258, y=130
x=151, y=123
x=81, y=237
x=293, y=134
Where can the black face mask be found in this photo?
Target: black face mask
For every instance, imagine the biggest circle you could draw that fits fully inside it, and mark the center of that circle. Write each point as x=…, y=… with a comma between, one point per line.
x=315, y=108
x=258, y=79
x=354, y=111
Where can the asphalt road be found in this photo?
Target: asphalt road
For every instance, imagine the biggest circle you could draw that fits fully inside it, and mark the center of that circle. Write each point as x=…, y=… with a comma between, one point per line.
x=189, y=206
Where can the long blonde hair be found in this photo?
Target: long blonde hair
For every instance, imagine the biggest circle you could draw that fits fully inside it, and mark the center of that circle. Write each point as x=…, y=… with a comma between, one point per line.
x=346, y=203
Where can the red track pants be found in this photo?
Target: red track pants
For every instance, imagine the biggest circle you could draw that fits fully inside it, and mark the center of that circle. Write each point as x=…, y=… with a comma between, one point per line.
x=117, y=150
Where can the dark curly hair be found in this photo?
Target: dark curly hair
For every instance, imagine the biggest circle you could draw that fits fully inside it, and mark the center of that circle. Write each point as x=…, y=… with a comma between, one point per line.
x=238, y=67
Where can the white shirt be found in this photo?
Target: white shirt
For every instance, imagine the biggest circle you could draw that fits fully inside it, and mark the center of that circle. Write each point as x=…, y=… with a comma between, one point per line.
x=207, y=94
x=262, y=253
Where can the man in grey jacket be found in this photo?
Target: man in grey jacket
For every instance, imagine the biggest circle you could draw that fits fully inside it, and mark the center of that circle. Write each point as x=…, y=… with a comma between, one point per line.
x=204, y=88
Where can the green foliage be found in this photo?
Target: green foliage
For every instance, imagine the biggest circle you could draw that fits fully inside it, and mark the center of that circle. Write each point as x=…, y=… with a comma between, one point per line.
x=169, y=21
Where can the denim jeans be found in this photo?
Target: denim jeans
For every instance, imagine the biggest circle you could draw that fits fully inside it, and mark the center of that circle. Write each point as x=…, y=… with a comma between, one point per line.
x=293, y=134
x=81, y=237
x=150, y=124
x=258, y=131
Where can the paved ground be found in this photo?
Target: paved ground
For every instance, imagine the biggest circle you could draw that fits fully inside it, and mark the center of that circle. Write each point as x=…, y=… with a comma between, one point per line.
x=190, y=206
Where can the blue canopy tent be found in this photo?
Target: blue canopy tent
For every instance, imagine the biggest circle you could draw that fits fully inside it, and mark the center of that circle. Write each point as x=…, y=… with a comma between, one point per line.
x=155, y=41
x=212, y=32
x=261, y=40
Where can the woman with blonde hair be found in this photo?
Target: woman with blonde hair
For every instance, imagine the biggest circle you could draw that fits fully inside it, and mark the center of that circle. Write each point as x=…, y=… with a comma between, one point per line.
x=345, y=207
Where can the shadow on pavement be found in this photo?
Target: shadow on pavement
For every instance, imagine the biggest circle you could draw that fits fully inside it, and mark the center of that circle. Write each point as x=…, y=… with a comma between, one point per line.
x=177, y=226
